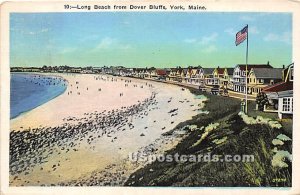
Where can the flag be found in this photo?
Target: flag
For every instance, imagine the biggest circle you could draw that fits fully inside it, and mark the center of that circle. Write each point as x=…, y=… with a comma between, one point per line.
x=241, y=35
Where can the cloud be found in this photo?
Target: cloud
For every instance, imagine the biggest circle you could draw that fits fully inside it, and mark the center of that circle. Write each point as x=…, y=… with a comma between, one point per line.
x=89, y=38
x=205, y=40
x=68, y=50
x=126, y=22
x=209, y=39
x=284, y=37
x=247, y=18
x=105, y=43
x=262, y=14
x=111, y=43
x=190, y=40
x=253, y=30
x=230, y=31
x=125, y=47
x=44, y=30
x=210, y=49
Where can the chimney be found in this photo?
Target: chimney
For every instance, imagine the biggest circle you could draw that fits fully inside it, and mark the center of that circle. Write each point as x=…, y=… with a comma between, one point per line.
x=218, y=67
x=283, y=66
x=268, y=63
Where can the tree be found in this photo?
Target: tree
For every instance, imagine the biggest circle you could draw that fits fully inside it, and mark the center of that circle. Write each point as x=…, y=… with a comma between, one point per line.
x=262, y=100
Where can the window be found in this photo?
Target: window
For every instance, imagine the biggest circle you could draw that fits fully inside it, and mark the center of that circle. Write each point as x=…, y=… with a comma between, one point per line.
x=287, y=104
x=292, y=74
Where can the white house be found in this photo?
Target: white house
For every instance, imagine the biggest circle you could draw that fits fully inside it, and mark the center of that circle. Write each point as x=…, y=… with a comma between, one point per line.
x=280, y=95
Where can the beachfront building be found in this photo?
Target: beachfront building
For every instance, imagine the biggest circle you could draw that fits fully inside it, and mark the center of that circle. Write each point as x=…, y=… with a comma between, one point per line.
x=138, y=72
x=48, y=68
x=121, y=71
x=87, y=70
x=207, y=76
x=107, y=70
x=153, y=73
x=172, y=74
x=184, y=75
x=161, y=74
x=280, y=95
x=229, y=84
x=144, y=73
x=124, y=72
x=260, y=78
x=239, y=75
x=97, y=70
x=178, y=74
x=194, y=75
x=75, y=70
x=221, y=77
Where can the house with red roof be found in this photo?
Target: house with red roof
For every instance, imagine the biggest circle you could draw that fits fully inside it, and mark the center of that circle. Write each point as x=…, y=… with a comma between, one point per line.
x=280, y=95
x=161, y=74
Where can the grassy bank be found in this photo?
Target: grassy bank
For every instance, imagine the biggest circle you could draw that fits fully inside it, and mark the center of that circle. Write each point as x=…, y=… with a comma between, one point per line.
x=228, y=135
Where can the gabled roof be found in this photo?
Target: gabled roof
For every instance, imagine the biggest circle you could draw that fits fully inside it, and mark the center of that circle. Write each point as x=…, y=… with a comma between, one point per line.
x=250, y=66
x=184, y=70
x=282, y=86
x=179, y=70
x=197, y=71
x=230, y=71
x=220, y=70
x=208, y=70
x=272, y=73
x=161, y=72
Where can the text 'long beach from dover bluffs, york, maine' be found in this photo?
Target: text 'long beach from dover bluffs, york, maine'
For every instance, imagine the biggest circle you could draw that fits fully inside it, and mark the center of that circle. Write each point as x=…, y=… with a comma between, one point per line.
x=197, y=99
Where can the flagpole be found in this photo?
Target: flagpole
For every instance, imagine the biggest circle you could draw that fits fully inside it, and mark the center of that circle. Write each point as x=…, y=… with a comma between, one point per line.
x=246, y=106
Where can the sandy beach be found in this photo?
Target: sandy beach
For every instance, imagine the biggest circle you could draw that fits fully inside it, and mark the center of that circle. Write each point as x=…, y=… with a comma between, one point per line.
x=92, y=127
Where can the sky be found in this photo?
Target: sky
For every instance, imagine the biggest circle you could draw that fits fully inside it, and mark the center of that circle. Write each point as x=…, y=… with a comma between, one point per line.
x=146, y=39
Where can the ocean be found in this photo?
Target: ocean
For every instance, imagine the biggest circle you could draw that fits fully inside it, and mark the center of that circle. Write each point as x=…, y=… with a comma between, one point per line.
x=28, y=91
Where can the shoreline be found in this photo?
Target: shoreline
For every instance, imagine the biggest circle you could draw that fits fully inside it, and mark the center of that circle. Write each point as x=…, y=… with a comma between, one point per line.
x=64, y=157
x=48, y=100
x=19, y=121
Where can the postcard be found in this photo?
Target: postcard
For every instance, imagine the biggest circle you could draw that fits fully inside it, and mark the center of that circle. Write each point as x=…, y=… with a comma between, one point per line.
x=179, y=97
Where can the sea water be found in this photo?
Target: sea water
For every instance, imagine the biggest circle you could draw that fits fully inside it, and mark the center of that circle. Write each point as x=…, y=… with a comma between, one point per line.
x=28, y=91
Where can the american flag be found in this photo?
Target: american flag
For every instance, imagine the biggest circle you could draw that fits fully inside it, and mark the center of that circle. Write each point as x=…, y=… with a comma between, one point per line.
x=241, y=35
